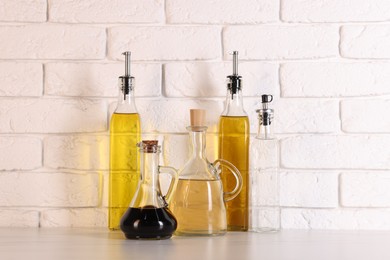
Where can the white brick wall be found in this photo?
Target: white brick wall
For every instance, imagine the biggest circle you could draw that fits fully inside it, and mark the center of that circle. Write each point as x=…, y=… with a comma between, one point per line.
x=229, y=11
x=77, y=152
x=23, y=11
x=356, y=113
x=365, y=189
x=335, y=10
x=327, y=63
x=365, y=41
x=84, y=217
x=165, y=42
x=309, y=189
x=20, y=153
x=49, y=189
x=363, y=219
x=99, y=79
x=335, y=79
x=336, y=152
x=206, y=79
x=52, y=41
x=19, y=218
x=21, y=79
x=282, y=42
x=113, y=11
x=52, y=115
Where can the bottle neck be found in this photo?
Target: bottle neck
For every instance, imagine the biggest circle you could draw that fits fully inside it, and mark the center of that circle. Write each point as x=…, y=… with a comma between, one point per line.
x=149, y=169
x=234, y=105
x=126, y=100
x=198, y=141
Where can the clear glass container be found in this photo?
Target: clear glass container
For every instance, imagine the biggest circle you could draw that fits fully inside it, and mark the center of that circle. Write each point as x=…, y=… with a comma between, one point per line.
x=265, y=206
x=234, y=137
x=125, y=133
x=148, y=216
x=199, y=199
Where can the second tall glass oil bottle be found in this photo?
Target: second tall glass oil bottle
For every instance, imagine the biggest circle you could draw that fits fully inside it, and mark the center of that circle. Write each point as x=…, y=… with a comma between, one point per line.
x=234, y=147
x=125, y=133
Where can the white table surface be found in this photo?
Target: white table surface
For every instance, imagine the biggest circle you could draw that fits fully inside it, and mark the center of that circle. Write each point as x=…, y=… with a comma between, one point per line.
x=94, y=244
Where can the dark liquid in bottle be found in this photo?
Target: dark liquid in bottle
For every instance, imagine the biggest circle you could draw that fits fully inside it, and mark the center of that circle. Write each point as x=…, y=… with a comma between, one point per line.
x=148, y=222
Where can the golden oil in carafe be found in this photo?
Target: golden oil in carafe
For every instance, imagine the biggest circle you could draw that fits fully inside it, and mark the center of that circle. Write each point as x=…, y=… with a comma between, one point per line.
x=234, y=147
x=200, y=204
x=125, y=133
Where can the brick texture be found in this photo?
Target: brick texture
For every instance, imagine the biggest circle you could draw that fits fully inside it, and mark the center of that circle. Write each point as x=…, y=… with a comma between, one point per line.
x=77, y=152
x=309, y=189
x=20, y=153
x=334, y=79
x=336, y=152
x=99, y=80
x=366, y=115
x=335, y=11
x=165, y=43
x=21, y=79
x=113, y=11
x=49, y=189
x=52, y=115
x=365, y=189
x=19, y=218
x=355, y=219
x=77, y=217
x=282, y=42
x=229, y=11
x=23, y=11
x=365, y=41
x=209, y=79
x=326, y=62
x=52, y=41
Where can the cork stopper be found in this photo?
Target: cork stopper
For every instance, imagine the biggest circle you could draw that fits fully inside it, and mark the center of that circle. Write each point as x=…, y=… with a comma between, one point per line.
x=148, y=146
x=197, y=117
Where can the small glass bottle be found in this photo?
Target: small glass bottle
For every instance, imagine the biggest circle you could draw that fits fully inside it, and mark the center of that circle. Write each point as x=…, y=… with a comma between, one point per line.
x=199, y=199
x=125, y=133
x=148, y=216
x=234, y=147
x=265, y=207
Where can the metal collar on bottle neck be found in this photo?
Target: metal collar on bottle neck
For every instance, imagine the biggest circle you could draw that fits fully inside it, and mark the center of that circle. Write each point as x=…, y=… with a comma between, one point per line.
x=266, y=115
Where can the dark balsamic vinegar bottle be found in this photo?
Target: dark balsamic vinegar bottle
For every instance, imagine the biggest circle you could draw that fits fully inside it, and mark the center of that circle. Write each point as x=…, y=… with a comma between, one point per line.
x=148, y=216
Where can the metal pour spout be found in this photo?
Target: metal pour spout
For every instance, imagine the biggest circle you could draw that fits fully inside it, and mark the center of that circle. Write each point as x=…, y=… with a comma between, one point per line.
x=127, y=62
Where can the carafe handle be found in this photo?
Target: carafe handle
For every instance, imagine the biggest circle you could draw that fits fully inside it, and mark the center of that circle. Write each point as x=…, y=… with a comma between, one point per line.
x=229, y=195
x=175, y=178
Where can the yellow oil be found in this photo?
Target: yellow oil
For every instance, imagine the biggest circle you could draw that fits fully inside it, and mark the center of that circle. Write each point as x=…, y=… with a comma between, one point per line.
x=125, y=133
x=199, y=207
x=234, y=147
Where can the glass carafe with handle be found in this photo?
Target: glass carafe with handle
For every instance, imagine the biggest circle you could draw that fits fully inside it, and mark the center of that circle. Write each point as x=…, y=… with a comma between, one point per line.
x=199, y=199
x=148, y=216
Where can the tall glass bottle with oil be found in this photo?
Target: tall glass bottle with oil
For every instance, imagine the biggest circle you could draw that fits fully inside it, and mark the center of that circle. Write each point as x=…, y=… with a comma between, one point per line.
x=125, y=133
x=234, y=147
